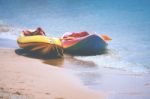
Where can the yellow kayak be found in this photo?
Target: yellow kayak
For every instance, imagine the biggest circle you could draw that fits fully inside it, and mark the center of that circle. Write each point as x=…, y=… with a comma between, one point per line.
x=42, y=44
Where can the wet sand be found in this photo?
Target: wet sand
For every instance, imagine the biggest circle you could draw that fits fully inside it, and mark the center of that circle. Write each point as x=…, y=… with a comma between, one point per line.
x=7, y=43
x=116, y=84
x=28, y=78
x=25, y=76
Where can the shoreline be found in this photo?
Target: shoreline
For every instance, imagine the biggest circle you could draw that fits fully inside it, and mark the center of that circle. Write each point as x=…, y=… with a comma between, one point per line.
x=29, y=77
x=34, y=78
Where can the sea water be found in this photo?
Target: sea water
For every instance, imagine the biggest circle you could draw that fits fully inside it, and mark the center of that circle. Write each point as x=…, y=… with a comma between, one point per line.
x=127, y=22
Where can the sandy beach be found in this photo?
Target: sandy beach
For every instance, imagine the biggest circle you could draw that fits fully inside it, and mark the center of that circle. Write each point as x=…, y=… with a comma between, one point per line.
x=122, y=71
x=23, y=77
x=27, y=78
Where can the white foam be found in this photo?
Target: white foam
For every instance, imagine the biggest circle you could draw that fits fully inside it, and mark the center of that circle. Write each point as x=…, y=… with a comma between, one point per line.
x=112, y=60
x=12, y=34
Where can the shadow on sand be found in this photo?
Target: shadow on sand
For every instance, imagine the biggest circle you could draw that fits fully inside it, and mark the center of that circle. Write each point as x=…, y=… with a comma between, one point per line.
x=86, y=53
x=55, y=61
x=66, y=61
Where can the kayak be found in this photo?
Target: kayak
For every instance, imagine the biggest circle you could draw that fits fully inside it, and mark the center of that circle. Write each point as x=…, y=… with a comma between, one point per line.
x=42, y=44
x=83, y=43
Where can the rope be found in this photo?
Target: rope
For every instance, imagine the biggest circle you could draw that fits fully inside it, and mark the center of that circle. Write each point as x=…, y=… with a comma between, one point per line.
x=53, y=41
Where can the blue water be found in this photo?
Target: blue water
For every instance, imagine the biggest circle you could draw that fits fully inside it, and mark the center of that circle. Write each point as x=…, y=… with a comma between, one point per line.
x=127, y=22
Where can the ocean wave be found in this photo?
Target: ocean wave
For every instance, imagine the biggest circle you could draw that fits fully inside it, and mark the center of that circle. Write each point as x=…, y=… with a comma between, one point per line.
x=12, y=34
x=113, y=60
x=8, y=31
x=4, y=27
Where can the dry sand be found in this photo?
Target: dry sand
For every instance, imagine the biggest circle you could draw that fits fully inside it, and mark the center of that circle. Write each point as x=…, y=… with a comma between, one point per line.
x=28, y=78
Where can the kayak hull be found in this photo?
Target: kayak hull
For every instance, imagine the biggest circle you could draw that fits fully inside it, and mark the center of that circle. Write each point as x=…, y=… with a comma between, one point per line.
x=91, y=44
x=42, y=45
